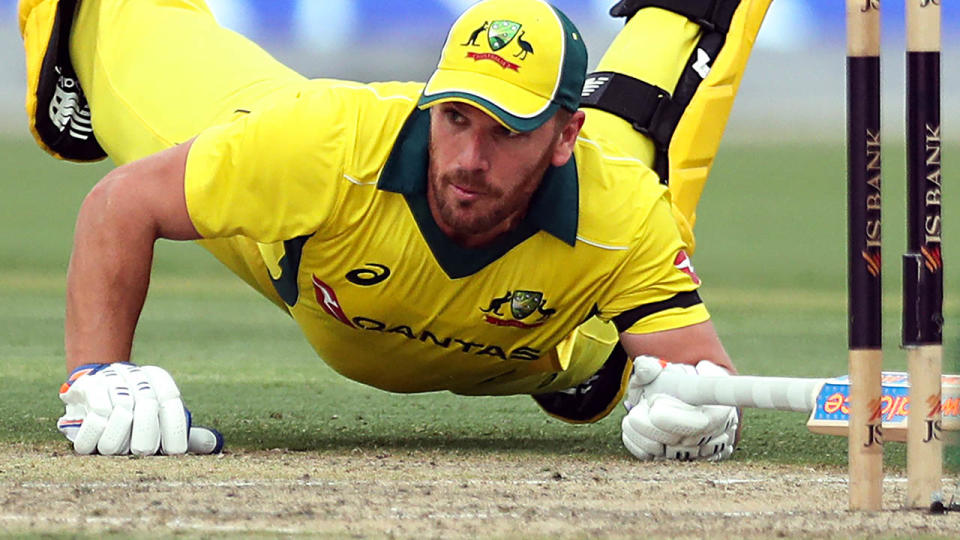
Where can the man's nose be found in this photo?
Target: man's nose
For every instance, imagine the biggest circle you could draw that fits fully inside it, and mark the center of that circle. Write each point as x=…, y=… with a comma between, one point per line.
x=473, y=152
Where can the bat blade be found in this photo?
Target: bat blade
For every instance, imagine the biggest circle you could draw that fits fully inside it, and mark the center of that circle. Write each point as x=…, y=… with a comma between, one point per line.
x=827, y=400
x=831, y=414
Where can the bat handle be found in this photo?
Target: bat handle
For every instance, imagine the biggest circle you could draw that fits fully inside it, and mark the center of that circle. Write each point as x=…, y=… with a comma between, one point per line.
x=779, y=393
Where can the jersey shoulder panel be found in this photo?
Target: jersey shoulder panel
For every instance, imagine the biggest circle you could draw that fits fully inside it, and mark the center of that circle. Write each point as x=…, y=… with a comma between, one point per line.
x=379, y=111
x=617, y=194
x=286, y=170
x=270, y=174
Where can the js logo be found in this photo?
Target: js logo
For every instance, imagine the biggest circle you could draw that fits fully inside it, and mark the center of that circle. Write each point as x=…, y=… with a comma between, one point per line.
x=934, y=429
x=875, y=5
x=933, y=421
x=874, y=435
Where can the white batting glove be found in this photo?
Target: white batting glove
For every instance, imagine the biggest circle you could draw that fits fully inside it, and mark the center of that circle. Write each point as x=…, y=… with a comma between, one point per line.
x=660, y=426
x=120, y=408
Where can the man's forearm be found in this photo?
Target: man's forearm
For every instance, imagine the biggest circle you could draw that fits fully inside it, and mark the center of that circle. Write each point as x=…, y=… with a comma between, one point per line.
x=108, y=277
x=687, y=345
x=119, y=222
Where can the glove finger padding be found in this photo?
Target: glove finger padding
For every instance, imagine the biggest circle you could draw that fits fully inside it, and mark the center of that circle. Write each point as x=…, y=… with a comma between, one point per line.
x=643, y=380
x=709, y=369
x=682, y=453
x=204, y=440
x=719, y=418
x=89, y=434
x=91, y=403
x=145, y=435
x=645, y=370
x=677, y=418
x=721, y=447
x=640, y=422
x=115, y=438
x=634, y=446
x=172, y=414
x=722, y=419
x=637, y=431
x=74, y=404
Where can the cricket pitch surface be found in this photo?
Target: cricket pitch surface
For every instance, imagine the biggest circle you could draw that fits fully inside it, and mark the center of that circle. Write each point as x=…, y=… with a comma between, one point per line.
x=437, y=494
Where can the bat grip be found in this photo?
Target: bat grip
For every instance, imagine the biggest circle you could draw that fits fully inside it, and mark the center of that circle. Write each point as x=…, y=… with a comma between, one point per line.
x=779, y=393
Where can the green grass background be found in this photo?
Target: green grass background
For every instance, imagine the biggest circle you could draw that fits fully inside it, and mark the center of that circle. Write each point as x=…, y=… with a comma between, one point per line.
x=771, y=251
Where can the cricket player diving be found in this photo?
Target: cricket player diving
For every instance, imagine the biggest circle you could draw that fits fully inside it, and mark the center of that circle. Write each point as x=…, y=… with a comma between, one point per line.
x=514, y=225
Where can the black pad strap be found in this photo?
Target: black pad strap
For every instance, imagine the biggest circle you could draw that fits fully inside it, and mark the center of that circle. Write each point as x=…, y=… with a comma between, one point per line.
x=648, y=108
x=711, y=15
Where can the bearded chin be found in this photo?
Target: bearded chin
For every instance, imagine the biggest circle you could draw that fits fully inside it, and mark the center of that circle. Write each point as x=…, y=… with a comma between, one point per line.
x=464, y=219
x=461, y=216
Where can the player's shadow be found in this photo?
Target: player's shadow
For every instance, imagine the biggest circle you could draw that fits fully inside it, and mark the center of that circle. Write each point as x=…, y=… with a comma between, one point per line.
x=552, y=445
x=522, y=435
x=339, y=416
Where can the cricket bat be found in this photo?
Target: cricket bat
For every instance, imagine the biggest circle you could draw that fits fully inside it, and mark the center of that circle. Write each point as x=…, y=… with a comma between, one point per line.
x=827, y=400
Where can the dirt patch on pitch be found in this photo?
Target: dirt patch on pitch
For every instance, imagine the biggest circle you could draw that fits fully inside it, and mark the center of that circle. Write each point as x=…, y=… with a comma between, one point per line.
x=436, y=494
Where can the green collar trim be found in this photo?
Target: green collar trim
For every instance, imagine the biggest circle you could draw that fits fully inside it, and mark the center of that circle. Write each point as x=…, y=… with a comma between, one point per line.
x=554, y=208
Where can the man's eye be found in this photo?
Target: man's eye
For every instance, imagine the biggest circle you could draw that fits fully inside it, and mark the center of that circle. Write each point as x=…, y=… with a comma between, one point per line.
x=456, y=118
x=509, y=134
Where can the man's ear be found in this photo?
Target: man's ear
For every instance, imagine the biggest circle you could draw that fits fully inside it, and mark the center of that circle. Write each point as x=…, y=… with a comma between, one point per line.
x=567, y=139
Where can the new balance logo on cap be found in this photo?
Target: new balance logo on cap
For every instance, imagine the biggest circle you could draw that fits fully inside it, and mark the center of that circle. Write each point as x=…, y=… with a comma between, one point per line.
x=592, y=84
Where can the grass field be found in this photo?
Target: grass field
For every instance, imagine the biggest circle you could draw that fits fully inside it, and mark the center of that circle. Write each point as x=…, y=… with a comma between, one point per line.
x=771, y=252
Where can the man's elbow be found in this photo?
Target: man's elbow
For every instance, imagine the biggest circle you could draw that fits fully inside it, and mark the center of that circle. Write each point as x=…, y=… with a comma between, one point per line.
x=144, y=198
x=111, y=208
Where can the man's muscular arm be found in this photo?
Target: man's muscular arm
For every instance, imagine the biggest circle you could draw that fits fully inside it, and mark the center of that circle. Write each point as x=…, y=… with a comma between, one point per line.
x=687, y=345
x=122, y=408
x=118, y=224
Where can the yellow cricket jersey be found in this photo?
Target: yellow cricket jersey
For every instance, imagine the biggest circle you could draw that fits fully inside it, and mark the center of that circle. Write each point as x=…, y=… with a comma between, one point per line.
x=328, y=190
